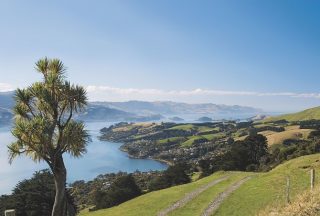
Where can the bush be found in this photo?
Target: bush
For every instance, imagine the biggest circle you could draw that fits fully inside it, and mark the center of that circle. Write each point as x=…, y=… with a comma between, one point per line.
x=252, y=167
x=122, y=189
x=174, y=175
x=243, y=155
x=314, y=135
x=35, y=196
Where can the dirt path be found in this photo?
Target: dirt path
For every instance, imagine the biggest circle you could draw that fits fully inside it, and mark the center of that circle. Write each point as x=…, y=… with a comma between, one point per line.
x=190, y=196
x=214, y=205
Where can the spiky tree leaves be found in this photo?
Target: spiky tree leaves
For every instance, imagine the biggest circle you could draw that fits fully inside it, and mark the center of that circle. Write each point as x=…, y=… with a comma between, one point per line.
x=44, y=125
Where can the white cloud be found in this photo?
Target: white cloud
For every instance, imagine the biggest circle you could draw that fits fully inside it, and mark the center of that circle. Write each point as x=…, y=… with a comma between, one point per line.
x=119, y=94
x=6, y=87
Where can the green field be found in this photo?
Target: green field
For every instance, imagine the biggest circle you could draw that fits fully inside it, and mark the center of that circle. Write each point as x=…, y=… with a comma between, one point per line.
x=151, y=203
x=199, y=204
x=263, y=190
x=188, y=127
x=209, y=137
x=268, y=189
x=172, y=139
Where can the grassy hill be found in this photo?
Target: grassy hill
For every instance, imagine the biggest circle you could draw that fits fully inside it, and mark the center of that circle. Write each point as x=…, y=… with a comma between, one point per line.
x=291, y=132
x=308, y=114
x=261, y=191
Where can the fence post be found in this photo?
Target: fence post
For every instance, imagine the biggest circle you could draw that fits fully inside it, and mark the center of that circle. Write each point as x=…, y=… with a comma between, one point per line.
x=10, y=212
x=312, y=178
x=288, y=190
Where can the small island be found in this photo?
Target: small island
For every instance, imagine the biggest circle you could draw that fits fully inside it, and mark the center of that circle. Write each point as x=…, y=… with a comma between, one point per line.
x=176, y=119
x=205, y=119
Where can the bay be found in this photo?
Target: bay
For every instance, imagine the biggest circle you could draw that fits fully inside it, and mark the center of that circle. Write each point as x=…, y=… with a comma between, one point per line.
x=101, y=157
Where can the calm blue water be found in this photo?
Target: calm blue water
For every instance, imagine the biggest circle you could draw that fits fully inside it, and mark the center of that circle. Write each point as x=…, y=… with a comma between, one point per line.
x=102, y=157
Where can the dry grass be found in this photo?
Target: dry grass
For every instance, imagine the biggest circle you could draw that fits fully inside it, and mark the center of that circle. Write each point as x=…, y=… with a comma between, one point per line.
x=241, y=138
x=306, y=204
x=292, y=127
x=145, y=124
x=267, y=133
x=296, y=134
x=291, y=132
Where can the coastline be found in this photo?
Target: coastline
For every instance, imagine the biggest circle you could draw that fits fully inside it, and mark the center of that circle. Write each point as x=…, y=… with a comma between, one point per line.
x=148, y=158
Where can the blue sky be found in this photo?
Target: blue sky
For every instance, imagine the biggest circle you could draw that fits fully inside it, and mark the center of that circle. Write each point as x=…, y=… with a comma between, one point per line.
x=257, y=53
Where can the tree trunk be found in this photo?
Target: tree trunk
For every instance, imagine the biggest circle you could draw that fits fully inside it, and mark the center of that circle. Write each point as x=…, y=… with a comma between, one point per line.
x=60, y=176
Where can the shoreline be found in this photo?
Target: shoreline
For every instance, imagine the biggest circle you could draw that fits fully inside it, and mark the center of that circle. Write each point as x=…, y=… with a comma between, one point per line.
x=148, y=158
x=168, y=163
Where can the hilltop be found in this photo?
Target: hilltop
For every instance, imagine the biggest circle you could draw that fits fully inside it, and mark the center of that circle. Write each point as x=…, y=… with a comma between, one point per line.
x=308, y=114
x=230, y=193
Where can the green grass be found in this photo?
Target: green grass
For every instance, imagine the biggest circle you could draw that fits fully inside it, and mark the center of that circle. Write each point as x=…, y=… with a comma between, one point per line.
x=151, y=203
x=172, y=139
x=264, y=189
x=206, y=129
x=214, y=136
x=307, y=203
x=191, y=139
x=313, y=113
x=186, y=127
x=201, y=202
x=260, y=125
x=239, y=133
x=268, y=189
x=195, y=176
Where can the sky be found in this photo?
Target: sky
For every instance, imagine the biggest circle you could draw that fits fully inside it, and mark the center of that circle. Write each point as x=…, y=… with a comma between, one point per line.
x=264, y=54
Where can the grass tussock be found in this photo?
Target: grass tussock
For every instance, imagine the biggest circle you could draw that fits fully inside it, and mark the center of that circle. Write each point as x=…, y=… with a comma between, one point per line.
x=306, y=204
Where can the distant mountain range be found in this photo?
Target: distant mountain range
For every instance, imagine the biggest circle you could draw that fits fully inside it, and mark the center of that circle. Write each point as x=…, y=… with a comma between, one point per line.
x=6, y=104
x=175, y=108
x=96, y=112
x=136, y=110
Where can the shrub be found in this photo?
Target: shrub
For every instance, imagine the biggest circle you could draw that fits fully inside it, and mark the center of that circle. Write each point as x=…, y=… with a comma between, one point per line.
x=174, y=175
x=122, y=189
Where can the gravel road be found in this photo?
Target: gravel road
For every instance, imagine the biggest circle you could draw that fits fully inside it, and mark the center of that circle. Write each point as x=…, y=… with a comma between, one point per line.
x=189, y=196
x=214, y=205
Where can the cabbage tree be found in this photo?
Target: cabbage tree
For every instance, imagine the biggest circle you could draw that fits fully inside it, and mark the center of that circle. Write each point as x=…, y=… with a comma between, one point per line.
x=44, y=124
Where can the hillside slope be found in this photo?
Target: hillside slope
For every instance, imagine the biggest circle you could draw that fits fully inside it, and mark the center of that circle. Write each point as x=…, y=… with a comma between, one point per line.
x=308, y=114
x=255, y=194
x=307, y=203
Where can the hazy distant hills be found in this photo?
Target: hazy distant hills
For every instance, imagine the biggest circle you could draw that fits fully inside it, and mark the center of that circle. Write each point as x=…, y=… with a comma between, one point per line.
x=6, y=99
x=96, y=112
x=175, y=108
x=136, y=110
x=6, y=104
